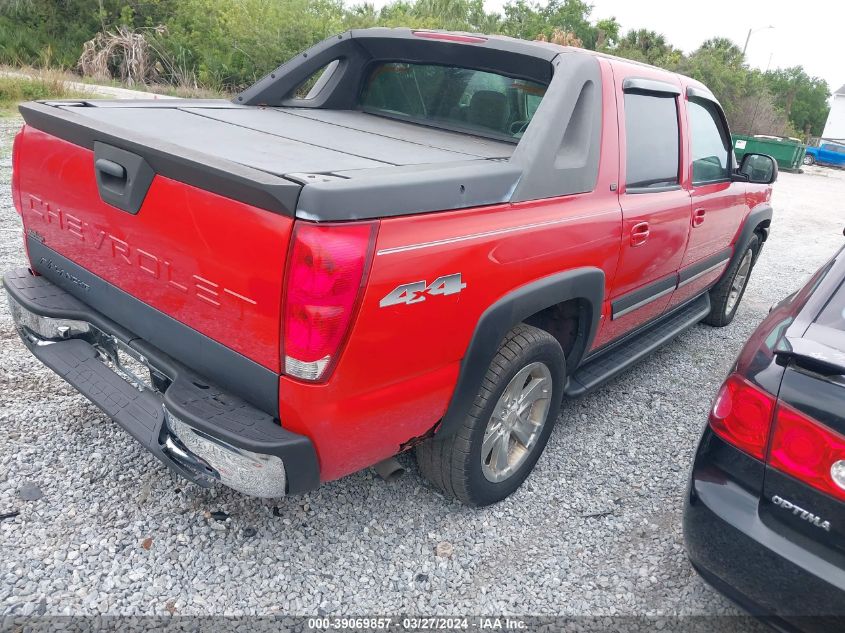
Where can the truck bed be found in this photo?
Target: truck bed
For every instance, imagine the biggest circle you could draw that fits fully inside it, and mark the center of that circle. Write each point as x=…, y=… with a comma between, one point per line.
x=263, y=156
x=282, y=141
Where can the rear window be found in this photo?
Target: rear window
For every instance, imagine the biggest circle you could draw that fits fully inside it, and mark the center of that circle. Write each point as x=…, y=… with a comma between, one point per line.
x=454, y=97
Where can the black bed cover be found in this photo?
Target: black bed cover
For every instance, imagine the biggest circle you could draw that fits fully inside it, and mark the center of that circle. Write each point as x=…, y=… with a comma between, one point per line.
x=281, y=141
x=264, y=155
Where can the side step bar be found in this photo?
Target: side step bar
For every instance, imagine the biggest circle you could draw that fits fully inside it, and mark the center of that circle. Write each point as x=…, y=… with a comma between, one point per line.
x=620, y=357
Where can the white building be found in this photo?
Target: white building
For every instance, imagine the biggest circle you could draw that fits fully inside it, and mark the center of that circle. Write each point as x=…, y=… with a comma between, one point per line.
x=834, y=129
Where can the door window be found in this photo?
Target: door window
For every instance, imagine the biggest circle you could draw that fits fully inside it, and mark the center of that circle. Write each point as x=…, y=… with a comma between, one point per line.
x=652, y=141
x=710, y=145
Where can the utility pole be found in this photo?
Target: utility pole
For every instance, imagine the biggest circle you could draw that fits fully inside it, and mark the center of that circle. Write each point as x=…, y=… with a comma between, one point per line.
x=748, y=37
x=745, y=48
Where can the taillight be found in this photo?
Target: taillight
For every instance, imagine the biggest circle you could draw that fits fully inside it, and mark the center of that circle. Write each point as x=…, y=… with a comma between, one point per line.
x=742, y=415
x=16, y=188
x=326, y=273
x=16, y=173
x=451, y=37
x=809, y=451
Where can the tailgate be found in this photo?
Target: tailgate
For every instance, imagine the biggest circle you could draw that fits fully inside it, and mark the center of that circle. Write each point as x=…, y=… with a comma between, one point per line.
x=213, y=263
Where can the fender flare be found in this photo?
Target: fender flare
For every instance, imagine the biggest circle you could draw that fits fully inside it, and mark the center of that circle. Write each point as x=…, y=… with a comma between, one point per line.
x=586, y=284
x=758, y=214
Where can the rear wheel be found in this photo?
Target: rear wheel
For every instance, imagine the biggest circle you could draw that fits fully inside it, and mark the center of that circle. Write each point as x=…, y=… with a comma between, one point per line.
x=809, y=159
x=499, y=442
x=726, y=295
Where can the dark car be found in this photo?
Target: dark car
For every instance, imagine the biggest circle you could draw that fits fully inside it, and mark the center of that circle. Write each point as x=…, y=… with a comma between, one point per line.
x=764, y=521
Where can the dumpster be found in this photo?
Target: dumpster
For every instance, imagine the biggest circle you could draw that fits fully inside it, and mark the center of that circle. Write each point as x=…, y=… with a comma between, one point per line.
x=787, y=152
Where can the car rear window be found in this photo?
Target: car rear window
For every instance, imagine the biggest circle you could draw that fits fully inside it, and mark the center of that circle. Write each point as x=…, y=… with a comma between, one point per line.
x=480, y=102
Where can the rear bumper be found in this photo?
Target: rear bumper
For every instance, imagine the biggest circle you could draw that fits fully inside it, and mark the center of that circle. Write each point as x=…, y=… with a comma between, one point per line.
x=774, y=578
x=192, y=426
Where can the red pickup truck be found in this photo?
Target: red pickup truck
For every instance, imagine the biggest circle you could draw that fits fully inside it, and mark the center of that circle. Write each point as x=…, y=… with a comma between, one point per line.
x=399, y=239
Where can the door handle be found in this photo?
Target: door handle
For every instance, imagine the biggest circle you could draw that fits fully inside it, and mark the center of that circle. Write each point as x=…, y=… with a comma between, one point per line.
x=110, y=168
x=698, y=217
x=639, y=234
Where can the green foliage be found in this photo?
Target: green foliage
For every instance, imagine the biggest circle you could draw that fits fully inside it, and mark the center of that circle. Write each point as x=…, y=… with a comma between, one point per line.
x=647, y=46
x=50, y=33
x=802, y=98
x=452, y=15
x=228, y=44
x=718, y=64
x=607, y=33
x=14, y=90
x=782, y=102
x=531, y=20
x=231, y=43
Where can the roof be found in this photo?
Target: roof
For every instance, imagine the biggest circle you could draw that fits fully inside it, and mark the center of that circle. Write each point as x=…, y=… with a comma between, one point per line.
x=841, y=91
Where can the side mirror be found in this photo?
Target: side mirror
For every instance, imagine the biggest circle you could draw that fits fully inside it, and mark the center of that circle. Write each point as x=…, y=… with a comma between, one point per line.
x=761, y=169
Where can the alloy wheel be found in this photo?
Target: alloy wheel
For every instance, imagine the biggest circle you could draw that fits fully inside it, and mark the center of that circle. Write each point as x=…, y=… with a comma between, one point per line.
x=740, y=279
x=517, y=422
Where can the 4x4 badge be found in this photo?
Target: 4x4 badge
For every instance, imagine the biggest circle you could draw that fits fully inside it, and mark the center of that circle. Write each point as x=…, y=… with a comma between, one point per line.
x=418, y=291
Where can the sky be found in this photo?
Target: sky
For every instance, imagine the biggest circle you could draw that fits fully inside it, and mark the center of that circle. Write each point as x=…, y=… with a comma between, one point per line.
x=810, y=33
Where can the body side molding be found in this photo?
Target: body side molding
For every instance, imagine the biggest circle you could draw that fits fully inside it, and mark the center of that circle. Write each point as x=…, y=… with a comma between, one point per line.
x=693, y=271
x=581, y=283
x=643, y=296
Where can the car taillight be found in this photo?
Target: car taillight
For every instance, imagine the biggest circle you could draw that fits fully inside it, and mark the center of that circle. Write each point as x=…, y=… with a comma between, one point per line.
x=742, y=415
x=451, y=37
x=326, y=273
x=809, y=451
x=16, y=174
x=16, y=188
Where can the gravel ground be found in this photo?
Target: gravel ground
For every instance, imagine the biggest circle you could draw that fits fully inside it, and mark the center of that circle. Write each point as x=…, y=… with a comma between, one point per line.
x=595, y=530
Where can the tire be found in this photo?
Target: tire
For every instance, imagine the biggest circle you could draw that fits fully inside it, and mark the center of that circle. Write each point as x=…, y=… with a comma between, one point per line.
x=454, y=463
x=809, y=159
x=727, y=294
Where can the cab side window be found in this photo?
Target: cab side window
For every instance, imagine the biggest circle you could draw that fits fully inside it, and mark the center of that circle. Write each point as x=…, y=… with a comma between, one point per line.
x=711, y=147
x=652, y=141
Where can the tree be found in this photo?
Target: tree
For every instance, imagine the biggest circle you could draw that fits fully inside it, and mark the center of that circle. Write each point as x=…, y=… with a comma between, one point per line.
x=724, y=50
x=607, y=33
x=758, y=114
x=532, y=20
x=718, y=64
x=748, y=103
x=647, y=46
x=802, y=98
x=227, y=44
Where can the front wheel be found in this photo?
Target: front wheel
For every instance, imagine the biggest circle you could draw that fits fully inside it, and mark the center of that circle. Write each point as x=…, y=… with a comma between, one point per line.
x=727, y=294
x=495, y=449
x=809, y=159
